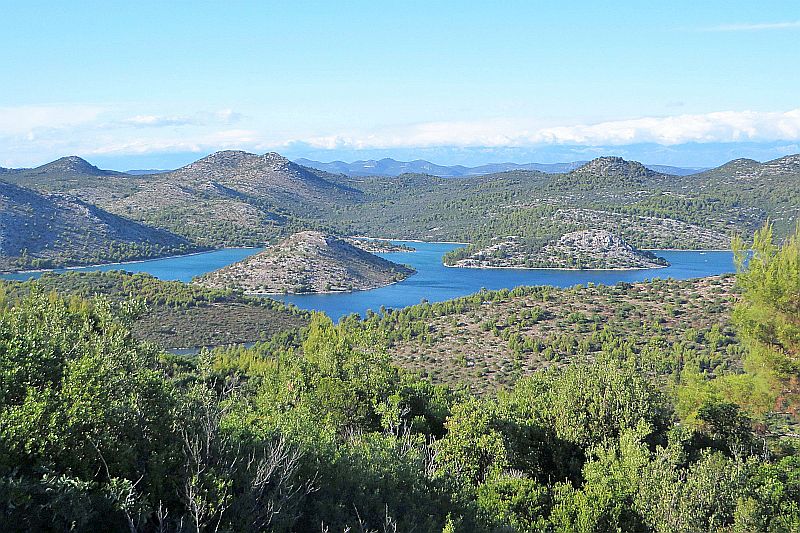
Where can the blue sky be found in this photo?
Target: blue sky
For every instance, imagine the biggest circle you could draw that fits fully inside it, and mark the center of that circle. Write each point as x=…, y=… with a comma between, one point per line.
x=157, y=84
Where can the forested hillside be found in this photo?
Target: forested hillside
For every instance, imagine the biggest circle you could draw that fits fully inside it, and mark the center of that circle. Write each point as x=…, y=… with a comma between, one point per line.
x=321, y=432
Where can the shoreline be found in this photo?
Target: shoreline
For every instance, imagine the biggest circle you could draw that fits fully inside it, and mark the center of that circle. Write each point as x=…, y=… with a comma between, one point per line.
x=686, y=249
x=408, y=240
x=133, y=262
x=271, y=294
x=560, y=268
x=160, y=258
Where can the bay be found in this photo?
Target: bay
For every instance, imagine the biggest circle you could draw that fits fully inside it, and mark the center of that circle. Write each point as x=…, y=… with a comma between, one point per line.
x=433, y=281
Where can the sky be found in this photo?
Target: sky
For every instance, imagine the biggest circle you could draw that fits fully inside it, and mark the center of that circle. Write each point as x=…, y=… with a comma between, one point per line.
x=154, y=84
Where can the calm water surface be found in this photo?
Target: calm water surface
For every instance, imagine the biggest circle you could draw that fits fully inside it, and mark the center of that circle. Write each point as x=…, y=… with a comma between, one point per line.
x=433, y=281
x=180, y=268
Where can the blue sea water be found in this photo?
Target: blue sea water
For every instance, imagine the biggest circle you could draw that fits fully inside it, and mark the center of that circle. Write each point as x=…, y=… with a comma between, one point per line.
x=433, y=281
x=178, y=268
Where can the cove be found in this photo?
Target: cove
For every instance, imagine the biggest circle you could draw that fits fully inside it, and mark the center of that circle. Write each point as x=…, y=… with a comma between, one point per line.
x=435, y=282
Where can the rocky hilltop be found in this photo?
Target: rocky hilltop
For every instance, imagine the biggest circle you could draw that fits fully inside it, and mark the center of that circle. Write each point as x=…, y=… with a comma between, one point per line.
x=749, y=169
x=615, y=167
x=309, y=261
x=39, y=231
x=232, y=197
x=577, y=250
x=70, y=166
x=270, y=175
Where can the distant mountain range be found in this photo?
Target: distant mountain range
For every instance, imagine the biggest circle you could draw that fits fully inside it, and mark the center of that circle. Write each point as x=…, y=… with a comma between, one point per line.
x=391, y=167
x=76, y=166
x=146, y=171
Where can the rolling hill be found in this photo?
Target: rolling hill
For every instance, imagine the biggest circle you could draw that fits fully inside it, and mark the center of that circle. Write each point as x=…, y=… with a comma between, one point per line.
x=233, y=198
x=226, y=198
x=237, y=198
x=38, y=231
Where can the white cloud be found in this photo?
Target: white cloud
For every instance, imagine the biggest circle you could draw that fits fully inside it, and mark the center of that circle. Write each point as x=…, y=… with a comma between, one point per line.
x=766, y=26
x=156, y=121
x=223, y=116
x=724, y=126
x=228, y=116
x=31, y=135
x=212, y=141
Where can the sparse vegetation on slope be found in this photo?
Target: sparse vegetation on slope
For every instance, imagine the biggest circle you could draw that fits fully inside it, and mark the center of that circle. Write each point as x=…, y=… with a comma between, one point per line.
x=236, y=198
x=492, y=338
x=587, y=249
x=46, y=231
x=309, y=261
x=175, y=314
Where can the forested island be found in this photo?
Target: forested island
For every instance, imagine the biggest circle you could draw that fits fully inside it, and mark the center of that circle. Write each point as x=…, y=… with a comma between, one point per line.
x=577, y=250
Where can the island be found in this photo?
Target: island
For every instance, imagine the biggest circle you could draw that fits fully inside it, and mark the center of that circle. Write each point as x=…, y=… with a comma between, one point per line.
x=308, y=262
x=378, y=246
x=577, y=250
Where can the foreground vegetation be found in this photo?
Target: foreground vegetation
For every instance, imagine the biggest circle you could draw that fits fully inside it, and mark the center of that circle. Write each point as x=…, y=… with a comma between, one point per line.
x=320, y=432
x=178, y=315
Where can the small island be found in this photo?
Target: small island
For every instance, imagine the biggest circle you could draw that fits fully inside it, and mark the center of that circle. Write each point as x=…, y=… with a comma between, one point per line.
x=378, y=246
x=577, y=250
x=308, y=262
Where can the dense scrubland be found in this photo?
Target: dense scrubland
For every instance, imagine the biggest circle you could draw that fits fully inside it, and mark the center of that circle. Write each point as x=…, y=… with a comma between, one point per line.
x=673, y=410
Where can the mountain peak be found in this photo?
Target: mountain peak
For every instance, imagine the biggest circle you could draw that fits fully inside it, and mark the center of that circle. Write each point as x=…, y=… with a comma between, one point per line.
x=741, y=168
x=237, y=159
x=789, y=164
x=71, y=165
x=223, y=159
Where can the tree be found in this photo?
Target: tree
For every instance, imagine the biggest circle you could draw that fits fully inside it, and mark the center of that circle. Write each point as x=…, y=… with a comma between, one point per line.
x=768, y=315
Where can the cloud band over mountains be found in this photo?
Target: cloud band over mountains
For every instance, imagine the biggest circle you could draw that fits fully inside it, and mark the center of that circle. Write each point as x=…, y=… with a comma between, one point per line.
x=58, y=130
x=720, y=127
